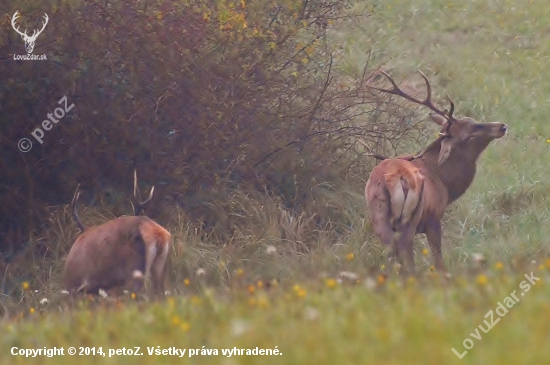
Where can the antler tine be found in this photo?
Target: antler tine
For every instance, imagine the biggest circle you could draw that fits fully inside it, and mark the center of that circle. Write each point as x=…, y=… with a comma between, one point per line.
x=136, y=192
x=15, y=27
x=428, y=101
x=45, y=23
x=449, y=117
x=428, y=87
x=138, y=208
x=452, y=109
x=74, y=210
x=397, y=91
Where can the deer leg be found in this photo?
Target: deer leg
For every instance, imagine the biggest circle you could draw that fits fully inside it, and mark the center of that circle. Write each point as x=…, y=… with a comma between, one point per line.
x=383, y=229
x=158, y=270
x=392, y=253
x=433, y=233
x=404, y=247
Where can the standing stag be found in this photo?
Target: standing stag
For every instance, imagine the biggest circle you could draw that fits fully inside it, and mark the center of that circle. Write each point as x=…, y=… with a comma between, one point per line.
x=408, y=195
x=122, y=252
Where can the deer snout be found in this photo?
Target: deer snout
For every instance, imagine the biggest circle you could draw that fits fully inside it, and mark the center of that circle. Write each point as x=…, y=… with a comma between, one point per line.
x=497, y=130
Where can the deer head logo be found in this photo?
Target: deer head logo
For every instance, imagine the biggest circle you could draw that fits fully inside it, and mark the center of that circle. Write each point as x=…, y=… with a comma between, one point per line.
x=29, y=40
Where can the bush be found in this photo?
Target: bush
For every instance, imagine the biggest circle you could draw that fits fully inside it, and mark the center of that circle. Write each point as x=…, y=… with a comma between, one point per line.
x=202, y=97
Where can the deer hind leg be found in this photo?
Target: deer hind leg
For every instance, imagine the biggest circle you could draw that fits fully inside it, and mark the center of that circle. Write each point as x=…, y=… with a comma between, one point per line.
x=433, y=233
x=404, y=244
x=157, y=247
x=404, y=249
x=158, y=268
x=379, y=206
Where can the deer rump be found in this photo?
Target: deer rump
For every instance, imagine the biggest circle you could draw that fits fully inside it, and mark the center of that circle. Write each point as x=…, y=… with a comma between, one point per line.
x=120, y=252
x=395, y=190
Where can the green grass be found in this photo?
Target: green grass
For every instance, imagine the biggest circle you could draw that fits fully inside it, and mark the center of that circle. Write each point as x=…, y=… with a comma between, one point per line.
x=491, y=57
x=321, y=321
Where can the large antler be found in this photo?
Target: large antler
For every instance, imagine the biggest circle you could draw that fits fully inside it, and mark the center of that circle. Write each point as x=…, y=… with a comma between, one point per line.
x=74, y=210
x=43, y=26
x=426, y=102
x=15, y=16
x=138, y=208
x=35, y=32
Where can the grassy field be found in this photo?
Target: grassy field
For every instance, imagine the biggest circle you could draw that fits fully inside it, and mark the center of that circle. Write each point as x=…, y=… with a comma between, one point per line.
x=337, y=302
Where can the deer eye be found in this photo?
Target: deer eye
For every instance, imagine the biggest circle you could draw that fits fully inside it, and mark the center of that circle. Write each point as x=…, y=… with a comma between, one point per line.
x=478, y=127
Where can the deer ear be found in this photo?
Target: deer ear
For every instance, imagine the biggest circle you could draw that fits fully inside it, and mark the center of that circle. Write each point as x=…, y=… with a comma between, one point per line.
x=438, y=119
x=447, y=146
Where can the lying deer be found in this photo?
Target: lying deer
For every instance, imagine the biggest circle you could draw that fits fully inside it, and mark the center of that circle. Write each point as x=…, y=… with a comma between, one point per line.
x=408, y=195
x=122, y=252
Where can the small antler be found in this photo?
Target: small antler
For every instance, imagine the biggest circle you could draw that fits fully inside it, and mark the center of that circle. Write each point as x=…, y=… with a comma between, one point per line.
x=138, y=208
x=74, y=210
x=445, y=131
x=395, y=90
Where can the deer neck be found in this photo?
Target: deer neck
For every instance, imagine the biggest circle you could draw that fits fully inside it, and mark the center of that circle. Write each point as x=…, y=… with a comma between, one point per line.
x=458, y=171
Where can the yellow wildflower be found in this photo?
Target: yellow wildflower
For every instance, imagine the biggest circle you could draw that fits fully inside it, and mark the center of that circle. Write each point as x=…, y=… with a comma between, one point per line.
x=263, y=302
x=482, y=279
x=176, y=320
x=331, y=283
x=185, y=326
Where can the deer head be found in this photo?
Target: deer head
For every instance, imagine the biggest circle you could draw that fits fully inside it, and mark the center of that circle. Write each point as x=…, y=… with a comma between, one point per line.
x=29, y=40
x=453, y=131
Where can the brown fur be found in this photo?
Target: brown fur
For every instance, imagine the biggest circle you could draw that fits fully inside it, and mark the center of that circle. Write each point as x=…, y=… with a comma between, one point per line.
x=110, y=255
x=404, y=182
x=448, y=167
